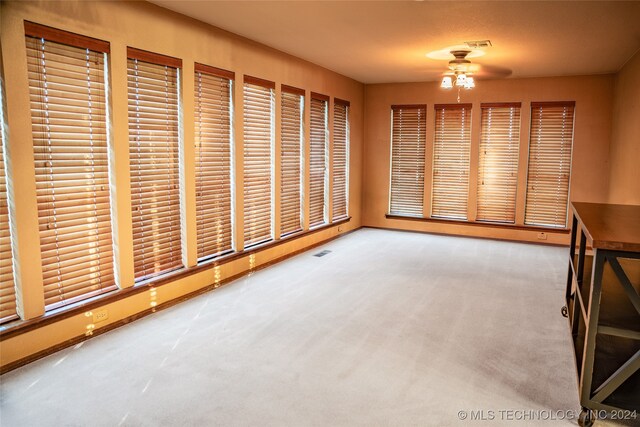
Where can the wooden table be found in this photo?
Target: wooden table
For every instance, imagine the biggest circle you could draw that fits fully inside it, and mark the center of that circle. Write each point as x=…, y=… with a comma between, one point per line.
x=603, y=307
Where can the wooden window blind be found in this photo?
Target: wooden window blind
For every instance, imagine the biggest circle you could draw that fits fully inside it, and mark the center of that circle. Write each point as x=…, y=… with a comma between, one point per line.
x=7, y=285
x=551, y=140
x=259, y=132
x=340, y=159
x=153, y=151
x=318, y=172
x=498, y=162
x=214, y=161
x=451, y=152
x=292, y=131
x=68, y=112
x=408, y=138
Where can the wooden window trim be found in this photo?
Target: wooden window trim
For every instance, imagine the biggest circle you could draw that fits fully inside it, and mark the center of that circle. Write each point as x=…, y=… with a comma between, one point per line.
x=408, y=106
x=17, y=328
x=153, y=58
x=259, y=82
x=65, y=37
x=293, y=90
x=501, y=105
x=491, y=224
x=452, y=106
x=553, y=104
x=320, y=96
x=214, y=71
x=341, y=102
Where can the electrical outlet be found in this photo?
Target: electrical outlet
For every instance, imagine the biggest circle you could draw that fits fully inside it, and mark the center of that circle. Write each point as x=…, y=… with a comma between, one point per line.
x=339, y=229
x=542, y=236
x=100, y=316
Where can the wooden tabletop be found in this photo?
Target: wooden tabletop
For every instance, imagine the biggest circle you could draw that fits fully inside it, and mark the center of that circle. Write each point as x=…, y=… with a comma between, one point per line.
x=615, y=227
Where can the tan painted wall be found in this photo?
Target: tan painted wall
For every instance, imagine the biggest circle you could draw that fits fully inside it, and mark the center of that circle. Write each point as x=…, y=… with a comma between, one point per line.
x=624, y=177
x=152, y=28
x=590, y=174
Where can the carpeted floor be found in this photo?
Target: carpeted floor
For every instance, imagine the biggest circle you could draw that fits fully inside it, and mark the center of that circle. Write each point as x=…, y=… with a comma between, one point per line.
x=390, y=328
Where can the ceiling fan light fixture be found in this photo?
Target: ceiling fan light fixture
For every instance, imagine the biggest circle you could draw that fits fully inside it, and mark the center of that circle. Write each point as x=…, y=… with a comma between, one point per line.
x=446, y=83
x=469, y=83
x=461, y=79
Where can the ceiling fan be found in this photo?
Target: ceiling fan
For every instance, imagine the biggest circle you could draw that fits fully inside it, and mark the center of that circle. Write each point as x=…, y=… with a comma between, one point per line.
x=460, y=72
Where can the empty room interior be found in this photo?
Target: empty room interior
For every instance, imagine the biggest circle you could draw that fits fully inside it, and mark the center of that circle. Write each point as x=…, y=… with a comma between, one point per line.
x=319, y=213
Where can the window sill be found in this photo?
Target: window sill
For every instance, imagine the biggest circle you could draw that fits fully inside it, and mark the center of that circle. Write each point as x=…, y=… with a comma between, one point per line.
x=480, y=224
x=18, y=327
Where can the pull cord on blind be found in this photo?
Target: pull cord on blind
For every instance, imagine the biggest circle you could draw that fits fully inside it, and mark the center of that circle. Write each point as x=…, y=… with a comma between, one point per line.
x=318, y=171
x=549, y=163
x=154, y=162
x=259, y=133
x=214, y=161
x=292, y=131
x=452, y=147
x=408, y=137
x=498, y=162
x=340, y=159
x=68, y=110
x=7, y=285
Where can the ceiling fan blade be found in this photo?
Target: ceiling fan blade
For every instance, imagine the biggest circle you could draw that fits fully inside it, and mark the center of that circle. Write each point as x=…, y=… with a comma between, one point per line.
x=489, y=71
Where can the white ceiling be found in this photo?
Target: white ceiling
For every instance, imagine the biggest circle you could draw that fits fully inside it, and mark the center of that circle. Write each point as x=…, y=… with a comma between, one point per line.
x=386, y=41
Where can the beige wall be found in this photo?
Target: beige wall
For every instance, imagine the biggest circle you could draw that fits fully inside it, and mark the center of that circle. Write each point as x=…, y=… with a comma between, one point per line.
x=151, y=28
x=624, y=177
x=589, y=176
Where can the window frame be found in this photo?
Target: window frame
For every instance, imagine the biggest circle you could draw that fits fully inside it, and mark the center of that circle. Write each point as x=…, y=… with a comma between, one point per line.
x=156, y=59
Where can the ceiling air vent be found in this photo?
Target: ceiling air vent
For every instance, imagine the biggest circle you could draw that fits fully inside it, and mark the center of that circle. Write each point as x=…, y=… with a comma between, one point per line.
x=478, y=44
x=323, y=253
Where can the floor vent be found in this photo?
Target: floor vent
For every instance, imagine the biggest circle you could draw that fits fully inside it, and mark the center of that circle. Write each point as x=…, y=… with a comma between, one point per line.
x=323, y=253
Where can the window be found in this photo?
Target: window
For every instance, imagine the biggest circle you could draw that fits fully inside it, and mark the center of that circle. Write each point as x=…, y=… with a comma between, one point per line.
x=451, y=161
x=550, y=144
x=7, y=286
x=258, y=160
x=153, y=151
x=340, y=158
x=318, y=173
x=292, y=131
x=68, y=115
x=498, y=162
x=408, y=137
x=214, y=161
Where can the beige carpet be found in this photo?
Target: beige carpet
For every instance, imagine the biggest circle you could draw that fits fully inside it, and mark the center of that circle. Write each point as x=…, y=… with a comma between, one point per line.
x=390, y=328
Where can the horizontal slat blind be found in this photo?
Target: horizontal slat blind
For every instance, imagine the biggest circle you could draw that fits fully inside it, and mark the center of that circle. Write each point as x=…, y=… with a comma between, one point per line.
x=550, y=144
x=408, y=137
x=292, y=107
x=498, y=163
x=7, y=286
x=318, y=172
x=214, y=175
x=340, y=159
x=258, y=163
x=451, y=161
x=153, y=151
x=68, y=112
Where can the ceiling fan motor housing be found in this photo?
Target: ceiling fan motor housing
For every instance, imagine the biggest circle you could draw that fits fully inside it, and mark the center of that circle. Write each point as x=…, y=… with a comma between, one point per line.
x=460, y=64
